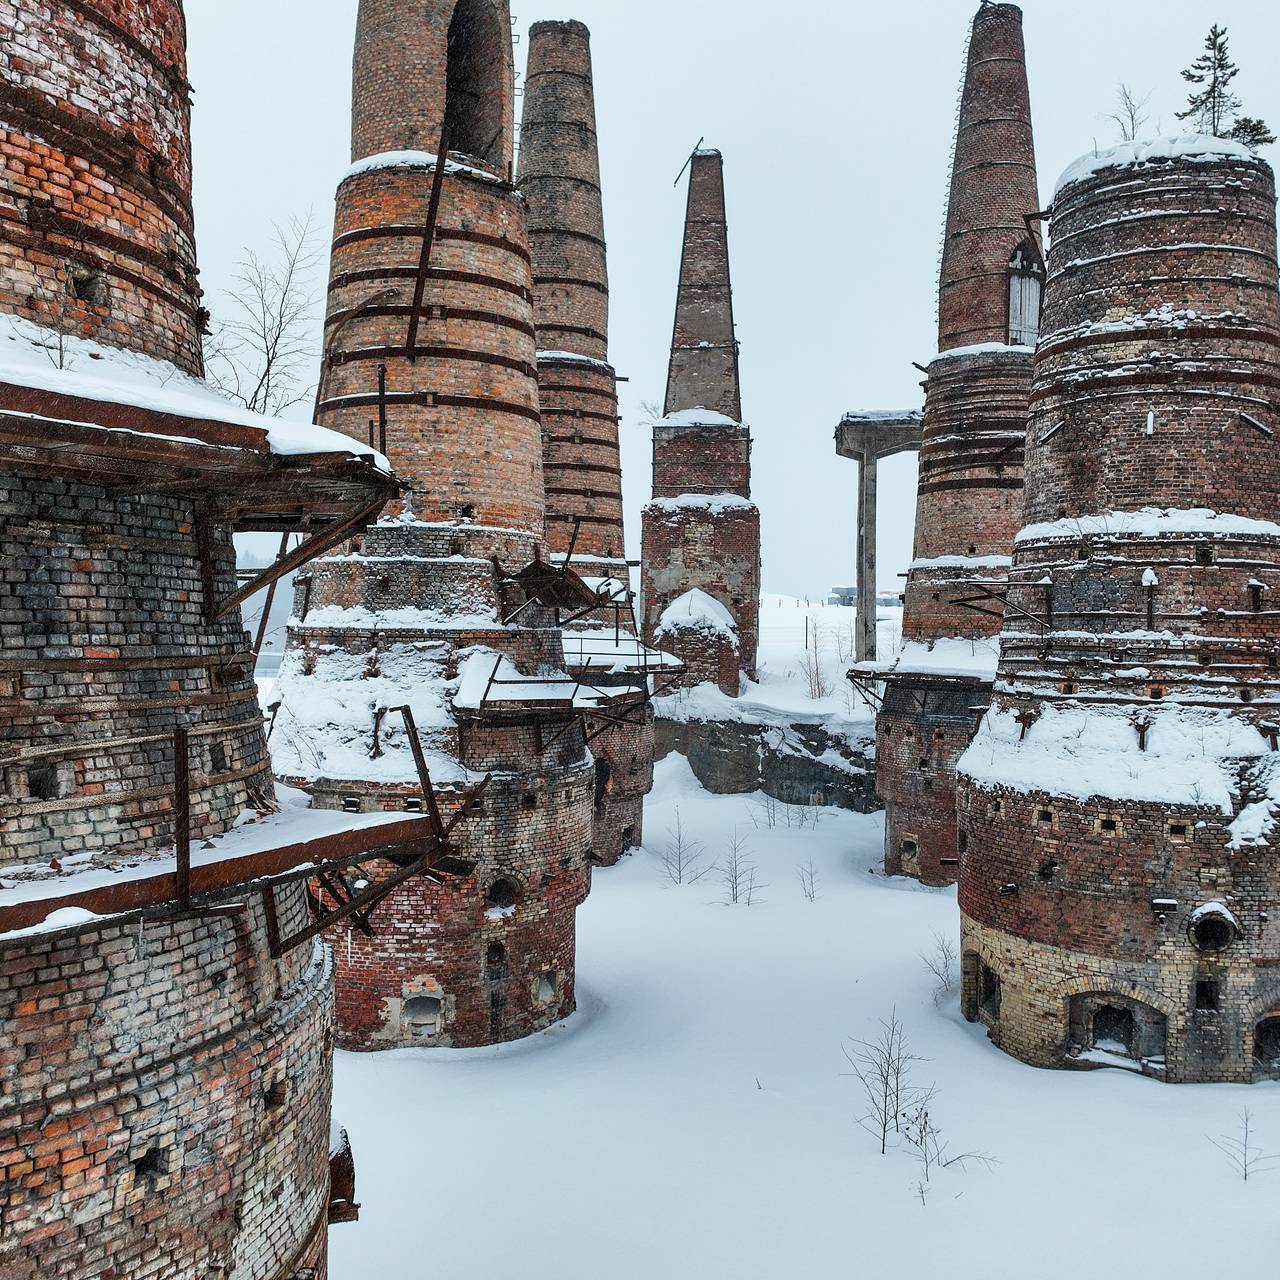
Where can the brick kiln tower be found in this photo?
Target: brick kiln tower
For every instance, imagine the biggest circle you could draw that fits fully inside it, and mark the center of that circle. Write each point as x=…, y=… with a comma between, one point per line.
x=969, y=499
x=1119, y=879
x=450, y=609
x=559, y=176
x=700, y=584
x=164, y=1065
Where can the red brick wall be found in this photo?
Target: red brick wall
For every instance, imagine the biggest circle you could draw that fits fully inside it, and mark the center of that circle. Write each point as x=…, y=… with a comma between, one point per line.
x=95, y=189
x=701, y=459
x=165, y=1040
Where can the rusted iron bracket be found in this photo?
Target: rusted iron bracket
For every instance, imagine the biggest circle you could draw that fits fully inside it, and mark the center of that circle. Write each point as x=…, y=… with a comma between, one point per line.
x=975, y=603
x=864, y=687
x=317, y=544
x=428, y=239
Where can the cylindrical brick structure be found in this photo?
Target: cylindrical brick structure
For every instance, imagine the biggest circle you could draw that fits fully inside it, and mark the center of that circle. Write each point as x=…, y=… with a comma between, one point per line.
x=701, y=531
x=969, y=495
x=96, y=230
x=439, y=609
x=1118, y=882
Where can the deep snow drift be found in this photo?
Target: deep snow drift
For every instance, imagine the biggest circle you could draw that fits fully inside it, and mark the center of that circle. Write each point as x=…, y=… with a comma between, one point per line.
x=696, y=1119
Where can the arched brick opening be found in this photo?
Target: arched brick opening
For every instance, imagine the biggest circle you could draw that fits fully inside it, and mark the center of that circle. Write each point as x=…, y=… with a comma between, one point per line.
x=473, y=103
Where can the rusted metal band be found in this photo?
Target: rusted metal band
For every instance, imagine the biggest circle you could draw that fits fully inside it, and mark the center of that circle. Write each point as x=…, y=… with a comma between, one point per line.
x=344, y=278
x=397, y=230
x=603, y=495
x=434, y=353
x=582, y=331
x=10, y=666
x=430, y=400
x=555, y=411
x=555, y=232
x=598, y=441
x=433, y=313
x=571, y=282
x=613, y=522
x=1100, y=382
x=995, y=482
x=601, y=468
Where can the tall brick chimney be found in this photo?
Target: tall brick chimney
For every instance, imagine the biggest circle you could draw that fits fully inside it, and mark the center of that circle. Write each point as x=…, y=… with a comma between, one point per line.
x=701, y=530
x=450, y=608
x=703, y=373
x=1119, y=803
x=560, y=178
x=969, y=496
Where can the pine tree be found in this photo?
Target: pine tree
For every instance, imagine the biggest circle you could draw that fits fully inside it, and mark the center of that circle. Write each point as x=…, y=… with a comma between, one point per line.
x=1214, y=108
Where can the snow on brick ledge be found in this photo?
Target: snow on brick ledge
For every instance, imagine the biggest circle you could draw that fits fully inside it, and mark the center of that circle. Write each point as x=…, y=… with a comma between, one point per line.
x=1151, y=522
x=417, y=160
x=949, y=656
x=982, y=349
x=697, y=611
x=713, y=503
x=697, y=418
x=1192, y=756
x=42, y=359
x=572, y=357
x=1198, y=148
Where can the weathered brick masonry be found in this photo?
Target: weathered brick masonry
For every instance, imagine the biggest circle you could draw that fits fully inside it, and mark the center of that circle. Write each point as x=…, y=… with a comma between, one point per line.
x=969, y=497
x=1118, y=883
x=559, y=176
x=701, y=530
x=164, y=1086
x=420, y=604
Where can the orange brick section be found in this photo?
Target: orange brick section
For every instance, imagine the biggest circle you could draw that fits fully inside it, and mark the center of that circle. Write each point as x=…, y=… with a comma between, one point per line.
x=969, y=494
x=560, y=178
x=1153, y=388
x=96, y=230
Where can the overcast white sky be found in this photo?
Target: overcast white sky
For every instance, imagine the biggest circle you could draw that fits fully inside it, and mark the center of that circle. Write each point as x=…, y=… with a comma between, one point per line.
x=835, y=119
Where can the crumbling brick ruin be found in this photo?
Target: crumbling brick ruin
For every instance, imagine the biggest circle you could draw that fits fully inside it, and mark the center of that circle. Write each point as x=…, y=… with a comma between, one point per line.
x=1116, y=808
x=451, y=608
x=559, y=176
x=970, y=487
x=700, y=585
x=165, y=1060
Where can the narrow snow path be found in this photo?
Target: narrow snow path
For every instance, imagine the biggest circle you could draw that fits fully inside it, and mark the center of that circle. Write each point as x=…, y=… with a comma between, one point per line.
x=694, y=1120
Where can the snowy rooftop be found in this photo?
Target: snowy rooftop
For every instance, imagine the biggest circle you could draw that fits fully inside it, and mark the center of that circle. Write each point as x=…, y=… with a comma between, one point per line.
x=698, y=611
x=714, y=503
x=946, y=657
x=883, y=415
x=1152, y=522
x=1198, y=148
x=41, y=359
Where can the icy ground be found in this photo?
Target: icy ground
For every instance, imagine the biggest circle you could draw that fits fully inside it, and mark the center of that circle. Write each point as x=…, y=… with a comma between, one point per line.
x=695, y=1119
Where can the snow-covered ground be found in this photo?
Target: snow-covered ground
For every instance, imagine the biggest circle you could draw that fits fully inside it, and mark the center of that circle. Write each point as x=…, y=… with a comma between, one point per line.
x=696, y=1119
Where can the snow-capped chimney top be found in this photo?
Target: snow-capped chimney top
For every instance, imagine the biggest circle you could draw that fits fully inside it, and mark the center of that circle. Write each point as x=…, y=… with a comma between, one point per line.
x=993, y=189
x=560, y=179
x=704, y=350
x=417, y=65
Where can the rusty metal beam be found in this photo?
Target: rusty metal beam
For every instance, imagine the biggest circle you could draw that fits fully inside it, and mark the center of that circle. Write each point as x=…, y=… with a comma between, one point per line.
x=428, y=238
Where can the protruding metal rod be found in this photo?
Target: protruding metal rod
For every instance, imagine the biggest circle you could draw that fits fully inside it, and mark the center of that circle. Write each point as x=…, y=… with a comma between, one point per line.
x=428, y=240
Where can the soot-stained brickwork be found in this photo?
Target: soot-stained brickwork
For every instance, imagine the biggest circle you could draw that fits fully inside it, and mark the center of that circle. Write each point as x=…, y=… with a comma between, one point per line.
x=1118, y=879
x=701, y=531
x=969, y=495
x=443, y=608
x=164, y=1085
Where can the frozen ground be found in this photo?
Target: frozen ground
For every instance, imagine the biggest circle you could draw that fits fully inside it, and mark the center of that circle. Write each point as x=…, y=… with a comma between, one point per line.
x=695, y=1119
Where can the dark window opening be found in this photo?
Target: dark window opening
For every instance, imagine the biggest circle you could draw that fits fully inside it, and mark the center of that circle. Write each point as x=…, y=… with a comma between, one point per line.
x=528, y=800
x=604, y=772
x=1113, y=1029
x=1045, y=817
x=89, y=285
x=275, y=1095
x=1109, y=826
x=497, y=1011
x=1048, y=870
x=1204, y=553
x=468, y=510
x=413, y=804
x=217, y=758
x=422, y=1015
x=495, y=962
x=1207, y=995
x=1212, y=933
x=42, y=782
x=150, y=1169
x=1178, y=830
x=503, y=893
x=350, y=804
x=1266, y=1042
x=1246, y=695
x=988, y=990
x=476, y=69
x=628, y=838
x=964, y=841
